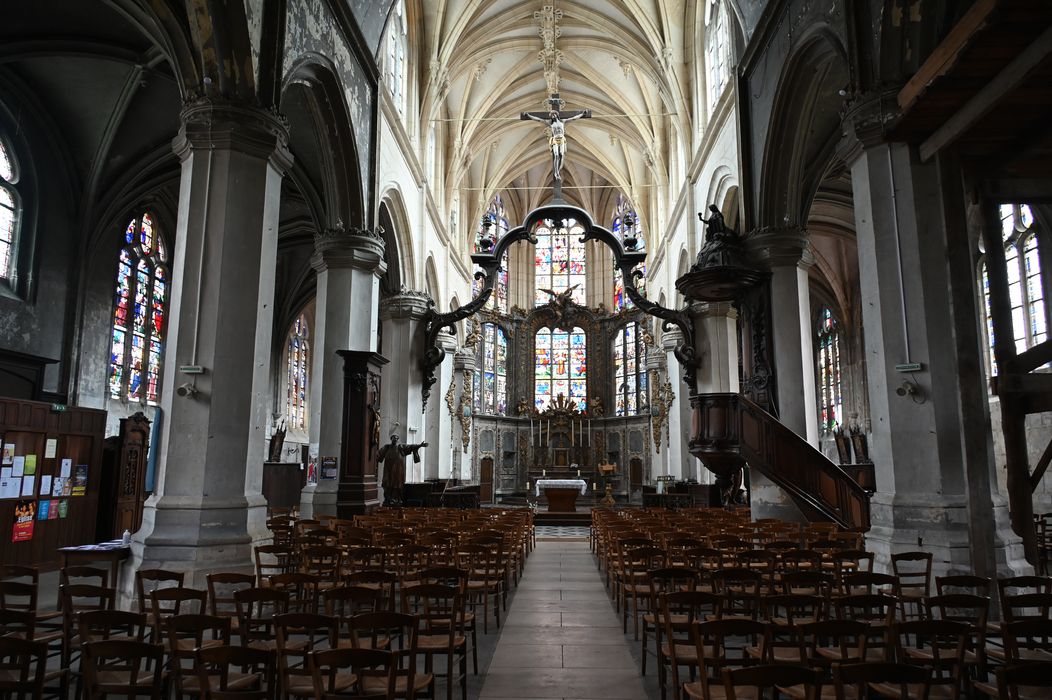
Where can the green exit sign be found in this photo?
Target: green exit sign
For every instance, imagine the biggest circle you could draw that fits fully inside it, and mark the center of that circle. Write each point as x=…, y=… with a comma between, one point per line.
x=59, y=408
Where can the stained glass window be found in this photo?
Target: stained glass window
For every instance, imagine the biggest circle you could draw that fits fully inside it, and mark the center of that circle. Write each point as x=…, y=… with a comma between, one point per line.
x=626, y=225
x=1025, y=282
x=717, y=53
x=561, y=366
x=491, y=378
x=559, y=260
x=139, y=315
x=297, y=375
x=630, y=373
x=9, y=210
x=395, y=68
x=830, y=398
x=498, y=300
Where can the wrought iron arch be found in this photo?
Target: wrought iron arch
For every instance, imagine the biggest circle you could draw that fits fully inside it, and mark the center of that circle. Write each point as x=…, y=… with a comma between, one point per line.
x=488, y=263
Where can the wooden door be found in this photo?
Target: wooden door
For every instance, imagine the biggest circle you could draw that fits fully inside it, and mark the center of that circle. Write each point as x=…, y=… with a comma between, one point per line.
x=635, y=470
x=486, y=480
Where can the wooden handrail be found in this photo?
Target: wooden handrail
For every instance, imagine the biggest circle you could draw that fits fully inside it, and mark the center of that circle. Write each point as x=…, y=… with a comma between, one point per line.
x=747, y=432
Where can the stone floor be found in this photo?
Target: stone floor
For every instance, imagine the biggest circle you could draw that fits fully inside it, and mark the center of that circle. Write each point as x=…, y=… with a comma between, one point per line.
x=562, y=638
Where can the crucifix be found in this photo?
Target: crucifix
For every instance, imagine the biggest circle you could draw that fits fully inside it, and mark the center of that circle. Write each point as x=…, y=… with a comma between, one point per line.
x=556, y=120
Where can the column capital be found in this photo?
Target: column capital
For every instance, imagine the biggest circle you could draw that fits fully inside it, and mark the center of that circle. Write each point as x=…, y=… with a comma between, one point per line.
x=866, y=120
x=407, y=304
x=348, y=247
x=779, y=246
x=713, y=309
x=464, y=360
x=240, y=126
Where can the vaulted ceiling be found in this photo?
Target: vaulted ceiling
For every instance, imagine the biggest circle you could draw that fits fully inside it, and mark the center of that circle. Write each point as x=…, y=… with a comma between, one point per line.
x=481, y=63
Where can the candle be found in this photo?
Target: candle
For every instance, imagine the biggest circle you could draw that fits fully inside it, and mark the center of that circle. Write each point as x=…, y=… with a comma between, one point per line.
x=544, y=472
x=572, y=442
x=593, y=486
x=578, y=473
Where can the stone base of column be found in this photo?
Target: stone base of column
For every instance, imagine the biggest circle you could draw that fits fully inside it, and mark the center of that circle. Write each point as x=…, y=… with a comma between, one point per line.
x=938, y=524
x=318, y=499
x=767, y=500
x=357, y=496
x=194, y=538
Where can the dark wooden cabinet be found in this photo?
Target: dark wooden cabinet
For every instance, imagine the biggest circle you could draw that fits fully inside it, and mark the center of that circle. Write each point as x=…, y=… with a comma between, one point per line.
x=123, y=487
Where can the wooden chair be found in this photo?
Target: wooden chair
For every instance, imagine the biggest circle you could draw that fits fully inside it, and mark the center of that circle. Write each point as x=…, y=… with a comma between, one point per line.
x=149, y=580
x=877, y=611
x=714, y=650
x=454, y=576
x=298, y=635
x=485, y=580
x=384, y=581
x=805, y=681
x=100, y=625
x=937, y=645
x=221, y=588
x=122, y=667
x=398, y=633
x=1028, y=640
x=301, y=588
x=184, y=635
x=439, y=610
x=784, y=613
x=661, y=581
x=1025, y=682
x=16, y=573
x=826, y=644
x=18, y=597
x=338, y=674
x=272, y=559
x=740, y=589
x=970, y=610
x=675, y=640
x=77, y=597
x=963, y=583
x=176, y=600
x=256, y=609
x=92, y=575
x=236, y=673
x=24, y=674
x=902, y=680
x=913, y=571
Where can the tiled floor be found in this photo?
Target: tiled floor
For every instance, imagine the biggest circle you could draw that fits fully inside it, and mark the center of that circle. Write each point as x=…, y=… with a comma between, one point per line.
x=562, y=531
x=562, y=638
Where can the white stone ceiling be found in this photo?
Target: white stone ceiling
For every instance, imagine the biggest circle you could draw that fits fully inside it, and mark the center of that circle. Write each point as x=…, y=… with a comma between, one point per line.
x=622, y=59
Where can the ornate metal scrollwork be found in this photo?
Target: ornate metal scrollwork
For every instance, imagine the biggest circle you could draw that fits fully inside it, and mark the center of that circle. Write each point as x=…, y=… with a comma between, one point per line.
x=488, y=263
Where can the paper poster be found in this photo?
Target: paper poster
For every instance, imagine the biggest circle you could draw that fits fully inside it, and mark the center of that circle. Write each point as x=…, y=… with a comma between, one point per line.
x=43, y=510
x=50, y=449
x=52, y=514
x=67, y=487
x=18, y=465
x=56, y=486
x=5, y=472
x=63, y=509
x=328, y=468
x=10, y=487
x=45, y=485
x=67, y=467
x=80, y=480
x=28, y=482
x=25, y=513
x=31, y=464
x=9, y=452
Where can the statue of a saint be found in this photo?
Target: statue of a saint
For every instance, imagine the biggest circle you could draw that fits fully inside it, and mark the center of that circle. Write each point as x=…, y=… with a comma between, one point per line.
x=393, y=456
x=556, y=122
x=715, y=225
x=277, y=442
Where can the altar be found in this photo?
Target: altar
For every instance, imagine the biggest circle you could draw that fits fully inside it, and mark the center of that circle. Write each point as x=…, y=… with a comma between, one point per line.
x=561, y=493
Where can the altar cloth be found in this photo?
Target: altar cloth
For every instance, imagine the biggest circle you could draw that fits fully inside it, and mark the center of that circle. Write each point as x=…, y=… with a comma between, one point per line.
x=561, y=484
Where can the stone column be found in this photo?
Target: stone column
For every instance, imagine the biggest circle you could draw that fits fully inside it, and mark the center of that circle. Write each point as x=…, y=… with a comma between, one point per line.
x=918, y=441
x=439, y=422
x=207, y=509
x=402, y=403
x=349, y=263
x=464, y=372
x=785, y=251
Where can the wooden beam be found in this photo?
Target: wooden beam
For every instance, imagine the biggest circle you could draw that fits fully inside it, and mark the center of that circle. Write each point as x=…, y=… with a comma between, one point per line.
x=1034, y=357
x=944, y=57
x=1042, y=465
x=986, y=99
x=1018, y=189
x=1021, y=384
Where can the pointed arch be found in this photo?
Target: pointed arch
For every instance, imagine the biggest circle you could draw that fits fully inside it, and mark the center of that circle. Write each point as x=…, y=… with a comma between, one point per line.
x=398, y=238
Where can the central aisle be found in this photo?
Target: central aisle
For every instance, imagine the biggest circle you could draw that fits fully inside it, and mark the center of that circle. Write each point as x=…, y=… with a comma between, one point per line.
x=562, y=638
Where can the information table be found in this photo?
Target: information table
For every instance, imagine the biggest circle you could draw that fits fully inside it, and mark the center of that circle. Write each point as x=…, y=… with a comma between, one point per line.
x=112, y=552
x=561, y=493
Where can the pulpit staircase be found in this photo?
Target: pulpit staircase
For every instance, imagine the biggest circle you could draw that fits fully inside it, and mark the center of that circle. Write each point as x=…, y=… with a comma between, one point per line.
x=730, y=431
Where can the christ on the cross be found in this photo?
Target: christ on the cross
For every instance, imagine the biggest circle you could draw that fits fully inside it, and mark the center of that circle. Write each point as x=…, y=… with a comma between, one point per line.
x=556, y=121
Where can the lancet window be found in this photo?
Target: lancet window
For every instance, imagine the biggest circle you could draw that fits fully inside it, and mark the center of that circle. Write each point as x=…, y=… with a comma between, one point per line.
x=561, y=366
x=830, y=395
x=630, y=375
x=9, y=210
x=395, y=68
x=559, y=260
x=139, y=315
x=491, y=381
x=717, y=53
x=297, y=374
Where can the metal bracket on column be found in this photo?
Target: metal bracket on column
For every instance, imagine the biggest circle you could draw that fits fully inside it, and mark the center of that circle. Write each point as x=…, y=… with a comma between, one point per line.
x=627, y=261
x=488, y=263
